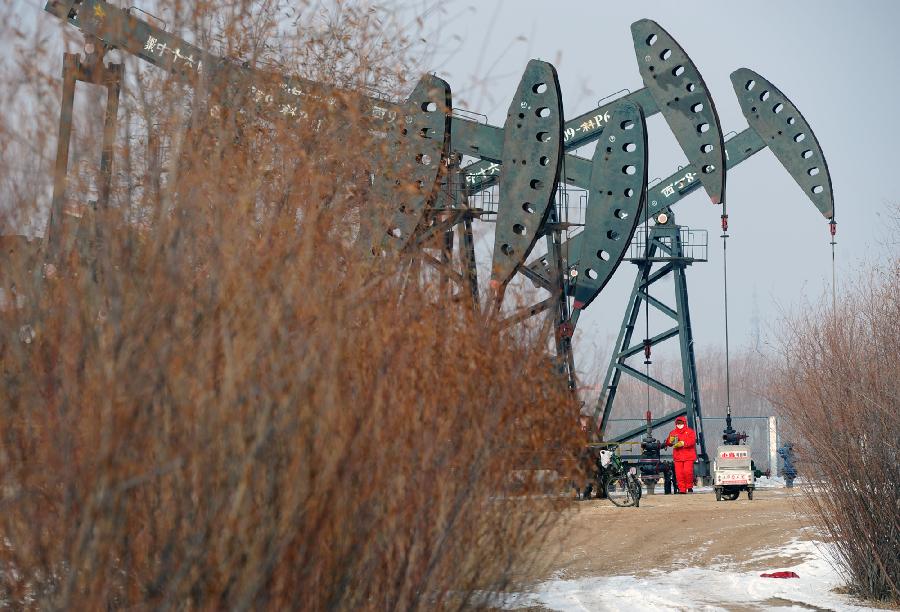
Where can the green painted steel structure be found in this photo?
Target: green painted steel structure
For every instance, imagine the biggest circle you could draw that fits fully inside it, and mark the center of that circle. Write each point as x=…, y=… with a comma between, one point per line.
x=663, y=247
x=775, y=122
x=532, y=158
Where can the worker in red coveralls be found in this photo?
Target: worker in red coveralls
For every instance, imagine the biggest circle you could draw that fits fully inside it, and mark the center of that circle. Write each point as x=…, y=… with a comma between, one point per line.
x=683, y=441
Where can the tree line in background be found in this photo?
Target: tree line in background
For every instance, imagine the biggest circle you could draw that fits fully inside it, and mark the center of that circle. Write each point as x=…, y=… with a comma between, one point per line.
x=748, y=397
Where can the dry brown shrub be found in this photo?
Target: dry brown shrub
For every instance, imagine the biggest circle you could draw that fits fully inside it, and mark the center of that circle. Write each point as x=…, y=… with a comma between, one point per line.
x=218, y=401
x=838, y=384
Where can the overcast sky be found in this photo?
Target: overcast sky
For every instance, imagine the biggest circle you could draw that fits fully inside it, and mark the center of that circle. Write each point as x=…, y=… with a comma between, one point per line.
x=838, y=61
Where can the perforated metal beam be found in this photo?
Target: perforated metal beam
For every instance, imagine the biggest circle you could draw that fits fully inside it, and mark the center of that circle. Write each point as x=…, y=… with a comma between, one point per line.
x=685, y=181
x=682, y=98
x=410, y=179
x=787, y=134
x=618, y=188
x=532, y=152
x=684, y=101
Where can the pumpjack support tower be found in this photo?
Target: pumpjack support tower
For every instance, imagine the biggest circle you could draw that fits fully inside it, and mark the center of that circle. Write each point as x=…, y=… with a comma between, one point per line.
x=664, y=250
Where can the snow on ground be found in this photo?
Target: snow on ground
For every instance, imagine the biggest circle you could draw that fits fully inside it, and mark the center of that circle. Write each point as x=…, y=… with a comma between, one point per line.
x=710, y=589
x=774, y=482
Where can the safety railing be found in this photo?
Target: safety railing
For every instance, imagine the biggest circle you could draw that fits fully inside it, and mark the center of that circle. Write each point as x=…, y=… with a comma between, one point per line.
x=694, y=245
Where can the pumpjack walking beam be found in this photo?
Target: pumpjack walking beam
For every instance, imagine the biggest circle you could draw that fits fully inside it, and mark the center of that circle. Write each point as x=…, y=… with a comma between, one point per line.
x=418, y=128
x=673, y=86
x=422, y=127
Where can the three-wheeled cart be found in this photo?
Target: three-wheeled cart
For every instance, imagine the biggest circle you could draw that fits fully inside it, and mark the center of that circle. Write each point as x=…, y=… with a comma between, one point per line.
x=733, y=472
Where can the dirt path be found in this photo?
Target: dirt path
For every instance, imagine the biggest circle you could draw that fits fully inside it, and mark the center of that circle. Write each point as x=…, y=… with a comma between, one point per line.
x=672, y=532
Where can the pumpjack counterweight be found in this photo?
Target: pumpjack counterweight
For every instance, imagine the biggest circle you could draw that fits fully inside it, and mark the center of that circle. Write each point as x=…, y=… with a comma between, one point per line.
x=684, y=101
x=532, y=152
x=423, y=141
x=618, y=192
x=787, y=134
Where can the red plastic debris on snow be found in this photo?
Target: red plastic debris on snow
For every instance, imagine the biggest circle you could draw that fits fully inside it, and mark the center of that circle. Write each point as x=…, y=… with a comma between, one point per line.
x=779, y=575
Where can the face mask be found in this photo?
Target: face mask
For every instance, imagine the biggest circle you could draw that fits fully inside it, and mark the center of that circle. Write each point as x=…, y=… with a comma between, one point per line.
x=680, y=426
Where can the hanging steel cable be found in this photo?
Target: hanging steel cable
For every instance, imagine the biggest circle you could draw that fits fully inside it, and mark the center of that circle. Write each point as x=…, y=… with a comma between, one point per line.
x=725, y=292
x=832, y=228
x=647, y=343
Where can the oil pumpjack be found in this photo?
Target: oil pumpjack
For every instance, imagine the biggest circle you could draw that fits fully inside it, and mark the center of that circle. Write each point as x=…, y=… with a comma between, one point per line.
x=530, y=159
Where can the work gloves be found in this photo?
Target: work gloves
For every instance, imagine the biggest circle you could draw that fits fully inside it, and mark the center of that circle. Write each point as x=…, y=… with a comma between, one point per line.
x=672, y=440
x=679, y=444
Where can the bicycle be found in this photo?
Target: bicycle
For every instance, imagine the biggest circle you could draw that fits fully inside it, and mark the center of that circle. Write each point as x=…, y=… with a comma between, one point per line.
x=622, y=486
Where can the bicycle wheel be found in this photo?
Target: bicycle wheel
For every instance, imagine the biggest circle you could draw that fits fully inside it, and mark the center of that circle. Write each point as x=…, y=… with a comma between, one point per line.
x=620, y=491
x=636, y=490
